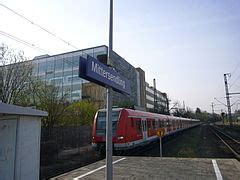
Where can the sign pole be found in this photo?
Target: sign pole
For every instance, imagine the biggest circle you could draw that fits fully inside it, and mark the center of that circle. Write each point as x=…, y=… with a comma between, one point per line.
x=160, y=145
x=109, y=135
x=160, y=134
x=109, y=168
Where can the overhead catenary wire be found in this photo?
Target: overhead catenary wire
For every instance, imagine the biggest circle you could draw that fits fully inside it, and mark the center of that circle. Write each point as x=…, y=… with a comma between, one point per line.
x=236, y=68
x=236, y=87
x=39, y=26
x=220, y=102
x=31, y=45
x=236, y=79
x=232, y=73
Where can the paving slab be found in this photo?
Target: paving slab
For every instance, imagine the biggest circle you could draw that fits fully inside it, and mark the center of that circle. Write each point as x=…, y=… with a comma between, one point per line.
x=141, y=168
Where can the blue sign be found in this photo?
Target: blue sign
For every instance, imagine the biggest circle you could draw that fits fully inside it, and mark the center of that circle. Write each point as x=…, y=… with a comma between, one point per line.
x=94, y=71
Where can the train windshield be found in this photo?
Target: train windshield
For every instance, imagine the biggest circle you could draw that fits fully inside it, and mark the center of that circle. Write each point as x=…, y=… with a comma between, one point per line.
x=101, y=122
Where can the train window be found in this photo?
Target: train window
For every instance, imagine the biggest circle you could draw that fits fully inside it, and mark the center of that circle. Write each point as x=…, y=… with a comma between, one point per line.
x=154, y=124
x=151, y=124
x=101, y=122
x=138, y=127
x=148, y=124
x=163, y=123
x=169, y=123
x=160, y=123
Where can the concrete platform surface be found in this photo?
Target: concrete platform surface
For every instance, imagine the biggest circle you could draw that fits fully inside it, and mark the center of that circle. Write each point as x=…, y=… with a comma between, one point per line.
x=159, y=168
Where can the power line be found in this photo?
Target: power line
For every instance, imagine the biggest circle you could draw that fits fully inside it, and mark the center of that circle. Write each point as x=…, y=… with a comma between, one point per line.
x=236, y=87
x=39, y=26
x=235, y=102
x=235, y=69
x=220, y=97
x=236, y=79
x=220, y=102
x=23, y=42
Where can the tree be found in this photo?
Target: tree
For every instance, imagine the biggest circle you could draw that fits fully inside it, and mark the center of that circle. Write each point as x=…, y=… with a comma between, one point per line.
x=198, y=111
x=51, y=101
x=79, y=113
x=189, y=114
x=177, y=110
x=45, y=97
x=15, y=72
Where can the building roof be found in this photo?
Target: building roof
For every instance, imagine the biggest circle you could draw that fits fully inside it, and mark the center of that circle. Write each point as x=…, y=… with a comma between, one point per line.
x=9, y=109
x=61, y=54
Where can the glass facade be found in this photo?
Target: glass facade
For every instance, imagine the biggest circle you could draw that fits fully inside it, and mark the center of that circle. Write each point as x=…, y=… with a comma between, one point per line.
x=62, y=71
x=128, y=71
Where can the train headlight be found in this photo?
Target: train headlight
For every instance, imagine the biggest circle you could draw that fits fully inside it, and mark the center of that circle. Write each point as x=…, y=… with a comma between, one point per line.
x=120, y=137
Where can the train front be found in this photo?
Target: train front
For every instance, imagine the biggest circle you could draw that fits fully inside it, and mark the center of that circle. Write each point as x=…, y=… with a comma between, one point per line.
x=99, y=129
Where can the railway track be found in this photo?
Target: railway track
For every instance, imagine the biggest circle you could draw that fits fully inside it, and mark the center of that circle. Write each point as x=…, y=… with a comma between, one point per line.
x=139, y=151
x=232, y=144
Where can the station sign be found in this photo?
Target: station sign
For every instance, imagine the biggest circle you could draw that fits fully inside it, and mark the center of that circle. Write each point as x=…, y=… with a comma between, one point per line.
x=97, y=72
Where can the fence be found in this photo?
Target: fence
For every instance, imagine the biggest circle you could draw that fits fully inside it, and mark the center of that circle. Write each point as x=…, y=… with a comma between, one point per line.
x=58, y=139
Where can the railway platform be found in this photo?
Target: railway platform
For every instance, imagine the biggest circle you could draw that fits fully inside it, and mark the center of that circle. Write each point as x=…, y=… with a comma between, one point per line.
x=159, y=168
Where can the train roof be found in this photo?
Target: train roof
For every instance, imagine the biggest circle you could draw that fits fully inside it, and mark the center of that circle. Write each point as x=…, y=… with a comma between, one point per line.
x=137, y=113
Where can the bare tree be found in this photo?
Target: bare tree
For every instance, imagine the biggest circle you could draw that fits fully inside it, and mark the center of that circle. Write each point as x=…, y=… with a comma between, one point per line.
x=176, y=105
x=19, y=86
x=15, y=72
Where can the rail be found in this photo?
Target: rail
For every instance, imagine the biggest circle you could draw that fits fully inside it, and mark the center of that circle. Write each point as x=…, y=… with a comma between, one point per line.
x=232, y=144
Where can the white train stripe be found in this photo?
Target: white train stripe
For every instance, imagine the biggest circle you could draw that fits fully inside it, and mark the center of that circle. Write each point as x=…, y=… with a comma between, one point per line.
x=90, y=172
x=217, y=170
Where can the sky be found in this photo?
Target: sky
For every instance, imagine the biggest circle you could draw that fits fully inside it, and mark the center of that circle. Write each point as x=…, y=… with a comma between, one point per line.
x=185, y=45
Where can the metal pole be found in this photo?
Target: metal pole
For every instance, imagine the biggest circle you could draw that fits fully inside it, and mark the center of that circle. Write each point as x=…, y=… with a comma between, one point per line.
x=212, y=109
x=160, y=146
x=109, y=136
x=109, y=169
x=228, y=99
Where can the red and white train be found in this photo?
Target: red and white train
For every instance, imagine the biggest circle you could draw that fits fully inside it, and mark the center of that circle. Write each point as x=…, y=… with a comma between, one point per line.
x=132, y=128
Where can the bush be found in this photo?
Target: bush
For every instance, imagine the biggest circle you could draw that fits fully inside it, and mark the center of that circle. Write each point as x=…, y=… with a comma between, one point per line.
x=79, y=113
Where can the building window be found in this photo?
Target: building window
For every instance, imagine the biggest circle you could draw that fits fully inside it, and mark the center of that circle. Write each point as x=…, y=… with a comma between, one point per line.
x=42, y=67
x=58, y=64
x=76, y=61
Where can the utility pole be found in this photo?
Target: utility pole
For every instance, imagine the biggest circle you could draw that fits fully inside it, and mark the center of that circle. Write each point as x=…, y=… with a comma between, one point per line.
x=213, y=113
x=227, y=97
x=109, y=168
x=212, y=108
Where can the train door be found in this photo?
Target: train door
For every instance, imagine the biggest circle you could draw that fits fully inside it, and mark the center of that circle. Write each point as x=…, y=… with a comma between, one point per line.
x=144, y=128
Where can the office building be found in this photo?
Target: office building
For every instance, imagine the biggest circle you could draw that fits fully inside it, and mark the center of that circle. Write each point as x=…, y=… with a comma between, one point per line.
x=156, y=101
x=62, y=70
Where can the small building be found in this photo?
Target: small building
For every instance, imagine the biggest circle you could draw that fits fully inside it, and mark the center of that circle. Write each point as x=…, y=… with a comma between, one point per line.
x=20, y=132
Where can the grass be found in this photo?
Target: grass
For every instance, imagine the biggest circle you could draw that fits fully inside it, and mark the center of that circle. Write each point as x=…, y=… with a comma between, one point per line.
x=198, y=142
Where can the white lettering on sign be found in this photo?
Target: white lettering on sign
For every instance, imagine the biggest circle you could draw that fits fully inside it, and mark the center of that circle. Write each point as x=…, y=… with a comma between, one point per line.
x=100, y=71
